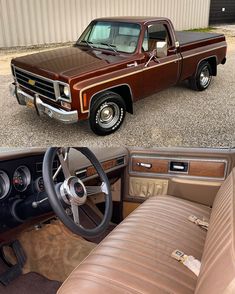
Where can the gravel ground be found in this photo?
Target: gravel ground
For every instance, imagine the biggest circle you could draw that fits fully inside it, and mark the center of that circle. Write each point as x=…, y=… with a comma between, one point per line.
x=175, y=117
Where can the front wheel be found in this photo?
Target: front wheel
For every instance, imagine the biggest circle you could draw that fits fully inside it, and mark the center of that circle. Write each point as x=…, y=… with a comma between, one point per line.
x=203, y=77
x=107, y=113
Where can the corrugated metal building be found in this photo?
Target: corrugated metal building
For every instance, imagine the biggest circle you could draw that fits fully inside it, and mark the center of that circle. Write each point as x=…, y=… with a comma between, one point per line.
x=33, y=22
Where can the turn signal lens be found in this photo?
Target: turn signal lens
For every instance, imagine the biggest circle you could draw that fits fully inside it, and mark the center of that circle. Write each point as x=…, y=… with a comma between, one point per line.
x=66, y=105
x=85, y=102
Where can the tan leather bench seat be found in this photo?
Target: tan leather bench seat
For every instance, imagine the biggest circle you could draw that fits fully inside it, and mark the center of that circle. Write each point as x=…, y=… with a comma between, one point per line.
x=136, y=256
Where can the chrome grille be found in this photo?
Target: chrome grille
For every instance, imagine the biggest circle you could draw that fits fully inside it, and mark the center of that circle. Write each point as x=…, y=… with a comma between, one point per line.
x=35, y=83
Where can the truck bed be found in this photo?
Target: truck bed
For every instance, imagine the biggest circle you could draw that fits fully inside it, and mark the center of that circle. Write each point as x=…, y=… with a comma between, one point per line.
x=186, y=38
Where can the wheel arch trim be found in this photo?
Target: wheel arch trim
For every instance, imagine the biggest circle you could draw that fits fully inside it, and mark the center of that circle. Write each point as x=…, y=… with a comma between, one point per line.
x=206, y=59
x=106, y=89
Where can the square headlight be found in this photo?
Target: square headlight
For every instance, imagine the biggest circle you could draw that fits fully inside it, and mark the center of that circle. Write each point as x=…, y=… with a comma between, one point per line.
x=64, y=91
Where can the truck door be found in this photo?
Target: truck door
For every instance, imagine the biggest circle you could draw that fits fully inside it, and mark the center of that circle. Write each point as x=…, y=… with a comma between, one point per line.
x=163, y=71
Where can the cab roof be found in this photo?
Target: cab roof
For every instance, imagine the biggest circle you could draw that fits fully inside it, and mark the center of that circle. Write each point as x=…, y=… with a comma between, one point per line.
x=132, y=19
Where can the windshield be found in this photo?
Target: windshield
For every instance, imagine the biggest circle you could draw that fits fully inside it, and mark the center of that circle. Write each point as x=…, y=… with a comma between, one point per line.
x=114, y=36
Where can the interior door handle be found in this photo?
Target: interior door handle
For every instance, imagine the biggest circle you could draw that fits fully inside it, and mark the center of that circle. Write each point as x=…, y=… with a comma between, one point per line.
x=178, y=167
x=146, y=165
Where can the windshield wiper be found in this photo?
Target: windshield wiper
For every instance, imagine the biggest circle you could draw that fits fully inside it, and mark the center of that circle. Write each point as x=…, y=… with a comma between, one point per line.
x=89, y=43
x=111, y=46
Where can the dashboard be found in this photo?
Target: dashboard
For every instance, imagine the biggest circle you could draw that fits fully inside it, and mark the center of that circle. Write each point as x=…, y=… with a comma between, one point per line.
x=20, y=181
x=22, y=191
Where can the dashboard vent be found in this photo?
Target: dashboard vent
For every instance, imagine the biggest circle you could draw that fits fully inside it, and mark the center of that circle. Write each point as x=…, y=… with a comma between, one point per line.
x=120, y=161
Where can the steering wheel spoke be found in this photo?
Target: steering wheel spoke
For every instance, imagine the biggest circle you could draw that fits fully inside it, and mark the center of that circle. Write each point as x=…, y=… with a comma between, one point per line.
x=75, y=213
x=63, y=163
x=92, y=190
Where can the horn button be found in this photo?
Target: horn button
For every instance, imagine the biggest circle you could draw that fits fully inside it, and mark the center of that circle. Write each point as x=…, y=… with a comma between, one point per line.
x=73, y=190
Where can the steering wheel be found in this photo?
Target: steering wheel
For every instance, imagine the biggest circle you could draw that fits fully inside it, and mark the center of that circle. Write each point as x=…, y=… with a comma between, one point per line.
x=66, y=197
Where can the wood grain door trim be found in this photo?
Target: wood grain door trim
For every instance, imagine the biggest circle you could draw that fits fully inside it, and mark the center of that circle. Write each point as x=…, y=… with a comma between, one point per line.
x=204, y=168
x=207, y=169
x=159, y=165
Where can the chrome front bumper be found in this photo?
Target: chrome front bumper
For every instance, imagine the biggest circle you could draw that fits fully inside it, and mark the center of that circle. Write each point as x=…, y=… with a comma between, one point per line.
x=43, y=108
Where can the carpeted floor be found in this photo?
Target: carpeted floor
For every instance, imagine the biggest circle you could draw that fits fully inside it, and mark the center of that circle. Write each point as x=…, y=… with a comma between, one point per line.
x=28, y=284
x=53, y=251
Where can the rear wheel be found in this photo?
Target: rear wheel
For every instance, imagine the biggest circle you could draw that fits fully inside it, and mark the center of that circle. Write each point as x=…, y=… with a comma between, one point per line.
x=107, y=113
x=203, y=77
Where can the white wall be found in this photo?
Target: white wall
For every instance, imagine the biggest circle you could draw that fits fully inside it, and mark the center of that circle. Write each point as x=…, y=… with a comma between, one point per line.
x=32, y=22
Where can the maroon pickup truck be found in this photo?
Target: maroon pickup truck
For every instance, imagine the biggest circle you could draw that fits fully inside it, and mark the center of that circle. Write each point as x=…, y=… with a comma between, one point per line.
x=114, y=63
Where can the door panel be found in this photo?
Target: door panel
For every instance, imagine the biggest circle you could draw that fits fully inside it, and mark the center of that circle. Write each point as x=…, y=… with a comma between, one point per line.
x=159, y=76
x=128, y=207
x=144, y=188
x=203, y=191
x=190, y=173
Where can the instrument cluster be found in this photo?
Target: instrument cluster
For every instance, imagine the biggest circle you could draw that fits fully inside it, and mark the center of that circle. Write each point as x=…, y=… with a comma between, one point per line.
x=20, y=181
x=22, y=177
x=22, y=185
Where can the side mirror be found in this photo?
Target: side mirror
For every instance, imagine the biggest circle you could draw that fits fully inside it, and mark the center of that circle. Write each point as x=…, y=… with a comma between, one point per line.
x=152, y=56
x=161, y=48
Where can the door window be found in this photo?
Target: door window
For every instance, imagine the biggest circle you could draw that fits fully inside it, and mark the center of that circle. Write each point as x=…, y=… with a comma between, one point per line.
x=156, y=37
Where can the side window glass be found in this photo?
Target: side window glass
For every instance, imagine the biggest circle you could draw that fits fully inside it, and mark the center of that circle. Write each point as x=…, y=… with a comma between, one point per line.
x=157, y=37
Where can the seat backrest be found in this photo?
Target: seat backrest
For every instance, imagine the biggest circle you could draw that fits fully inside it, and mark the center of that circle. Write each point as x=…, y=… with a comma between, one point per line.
x=126, y=43
x=217, y=273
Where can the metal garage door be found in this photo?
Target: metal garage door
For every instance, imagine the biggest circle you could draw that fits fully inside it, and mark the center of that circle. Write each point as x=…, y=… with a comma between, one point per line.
x=222, y=11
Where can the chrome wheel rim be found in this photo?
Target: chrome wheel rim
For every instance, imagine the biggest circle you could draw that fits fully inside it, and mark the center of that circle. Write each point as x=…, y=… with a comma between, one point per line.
x=205, y=77
x=108, y=115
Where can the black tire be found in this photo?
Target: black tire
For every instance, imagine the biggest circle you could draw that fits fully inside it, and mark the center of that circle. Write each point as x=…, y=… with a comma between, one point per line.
x=104, y=123
x=201, y=81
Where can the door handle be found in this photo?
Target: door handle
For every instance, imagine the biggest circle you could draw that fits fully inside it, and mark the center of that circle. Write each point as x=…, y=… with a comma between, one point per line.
x=172, y=50
x=132, y=64
x=179, y=166
x=146, y=165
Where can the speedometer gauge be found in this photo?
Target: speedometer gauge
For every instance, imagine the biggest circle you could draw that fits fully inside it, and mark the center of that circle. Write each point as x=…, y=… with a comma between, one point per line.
x=21, y=178
x=4, y=184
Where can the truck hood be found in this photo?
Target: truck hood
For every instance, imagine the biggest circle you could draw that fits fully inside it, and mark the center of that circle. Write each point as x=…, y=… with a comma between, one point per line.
x=67, y=62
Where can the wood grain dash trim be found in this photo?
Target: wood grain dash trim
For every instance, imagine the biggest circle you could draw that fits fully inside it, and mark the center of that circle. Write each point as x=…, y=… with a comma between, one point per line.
x=106, y=165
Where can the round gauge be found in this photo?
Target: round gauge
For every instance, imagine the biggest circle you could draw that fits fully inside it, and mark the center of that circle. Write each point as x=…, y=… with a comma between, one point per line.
x=39, y=184
x=4, y=184
x=21, y=178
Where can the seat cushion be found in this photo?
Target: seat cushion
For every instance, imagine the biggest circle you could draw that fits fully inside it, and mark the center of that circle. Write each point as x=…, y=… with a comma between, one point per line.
x=136, y=256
